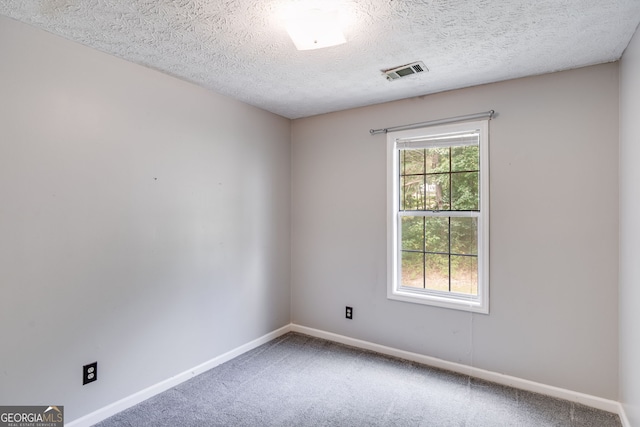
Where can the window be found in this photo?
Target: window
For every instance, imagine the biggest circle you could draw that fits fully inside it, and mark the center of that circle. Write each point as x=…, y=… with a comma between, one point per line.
x=438, y=216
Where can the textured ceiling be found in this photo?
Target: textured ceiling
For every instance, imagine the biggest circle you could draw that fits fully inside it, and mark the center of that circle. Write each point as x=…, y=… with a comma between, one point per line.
x=240, y=48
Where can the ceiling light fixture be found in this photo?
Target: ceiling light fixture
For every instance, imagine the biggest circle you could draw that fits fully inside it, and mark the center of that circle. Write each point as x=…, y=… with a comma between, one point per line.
x=314, y=27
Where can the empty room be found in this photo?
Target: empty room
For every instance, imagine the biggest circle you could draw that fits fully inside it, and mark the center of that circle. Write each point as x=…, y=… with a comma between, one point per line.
x=301, y=213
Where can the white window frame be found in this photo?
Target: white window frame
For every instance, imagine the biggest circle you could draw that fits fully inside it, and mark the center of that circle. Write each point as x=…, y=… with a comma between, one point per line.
x=479, y=303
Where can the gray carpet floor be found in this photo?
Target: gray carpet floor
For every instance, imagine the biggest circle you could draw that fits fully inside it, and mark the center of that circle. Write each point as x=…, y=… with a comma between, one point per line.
x=297, y=380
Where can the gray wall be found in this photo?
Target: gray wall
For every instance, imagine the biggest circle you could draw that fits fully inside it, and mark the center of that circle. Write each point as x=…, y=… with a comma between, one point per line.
x=630, y=231
x=144, y=223
x=554, y=231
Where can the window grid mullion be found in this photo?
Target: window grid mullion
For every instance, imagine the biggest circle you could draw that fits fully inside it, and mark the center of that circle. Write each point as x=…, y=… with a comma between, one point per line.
x=449, y=249
x=449, y=218
x=444, y=214
x=424, y=255
x=424, y=198
x=401, y=194
x=438, y=253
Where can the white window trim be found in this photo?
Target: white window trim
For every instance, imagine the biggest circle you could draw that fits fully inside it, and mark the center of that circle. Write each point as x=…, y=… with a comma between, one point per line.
x=479, y=303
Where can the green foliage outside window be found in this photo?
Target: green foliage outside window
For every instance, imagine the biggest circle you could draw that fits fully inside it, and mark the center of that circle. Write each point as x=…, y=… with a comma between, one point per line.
x=440, y=252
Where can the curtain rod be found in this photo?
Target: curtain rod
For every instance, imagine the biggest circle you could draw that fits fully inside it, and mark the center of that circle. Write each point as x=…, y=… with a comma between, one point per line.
x=487, y=114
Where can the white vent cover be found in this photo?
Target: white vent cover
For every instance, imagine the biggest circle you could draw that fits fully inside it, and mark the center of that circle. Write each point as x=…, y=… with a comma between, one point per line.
x=405, y=70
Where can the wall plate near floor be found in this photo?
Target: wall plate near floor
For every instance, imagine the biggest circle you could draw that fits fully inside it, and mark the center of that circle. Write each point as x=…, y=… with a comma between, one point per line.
x=349, y=312
x=89, y=373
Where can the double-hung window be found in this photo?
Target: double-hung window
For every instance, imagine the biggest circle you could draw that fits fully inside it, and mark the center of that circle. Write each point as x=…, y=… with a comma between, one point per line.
x=438, y=216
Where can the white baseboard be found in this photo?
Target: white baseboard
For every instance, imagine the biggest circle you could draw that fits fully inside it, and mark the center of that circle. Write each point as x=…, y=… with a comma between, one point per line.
x=134, y=399
x=623, y=416
x=522, y=384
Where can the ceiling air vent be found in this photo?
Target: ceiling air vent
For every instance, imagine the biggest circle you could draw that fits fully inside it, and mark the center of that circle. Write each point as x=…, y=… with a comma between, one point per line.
x=405, y=70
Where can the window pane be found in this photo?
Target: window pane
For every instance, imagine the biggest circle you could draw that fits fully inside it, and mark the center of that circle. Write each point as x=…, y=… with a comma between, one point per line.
x=437, y=234
x=412, y=233
x=465, y=158
x=464, y=236
x=464, y=274
x=437, y=274
x=464, y=191
x=412, y=192
x=413, y=269
x=437, y=160
x=411, y=162
x=437, y=192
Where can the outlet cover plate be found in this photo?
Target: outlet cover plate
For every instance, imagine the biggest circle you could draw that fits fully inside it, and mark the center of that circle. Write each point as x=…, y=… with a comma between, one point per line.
x=89, y=373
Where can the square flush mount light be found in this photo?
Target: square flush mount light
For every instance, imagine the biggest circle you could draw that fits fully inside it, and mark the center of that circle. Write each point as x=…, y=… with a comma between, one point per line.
x=314, y=28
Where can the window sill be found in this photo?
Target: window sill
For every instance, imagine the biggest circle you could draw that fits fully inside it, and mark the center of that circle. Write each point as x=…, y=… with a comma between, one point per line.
x=471, y=304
